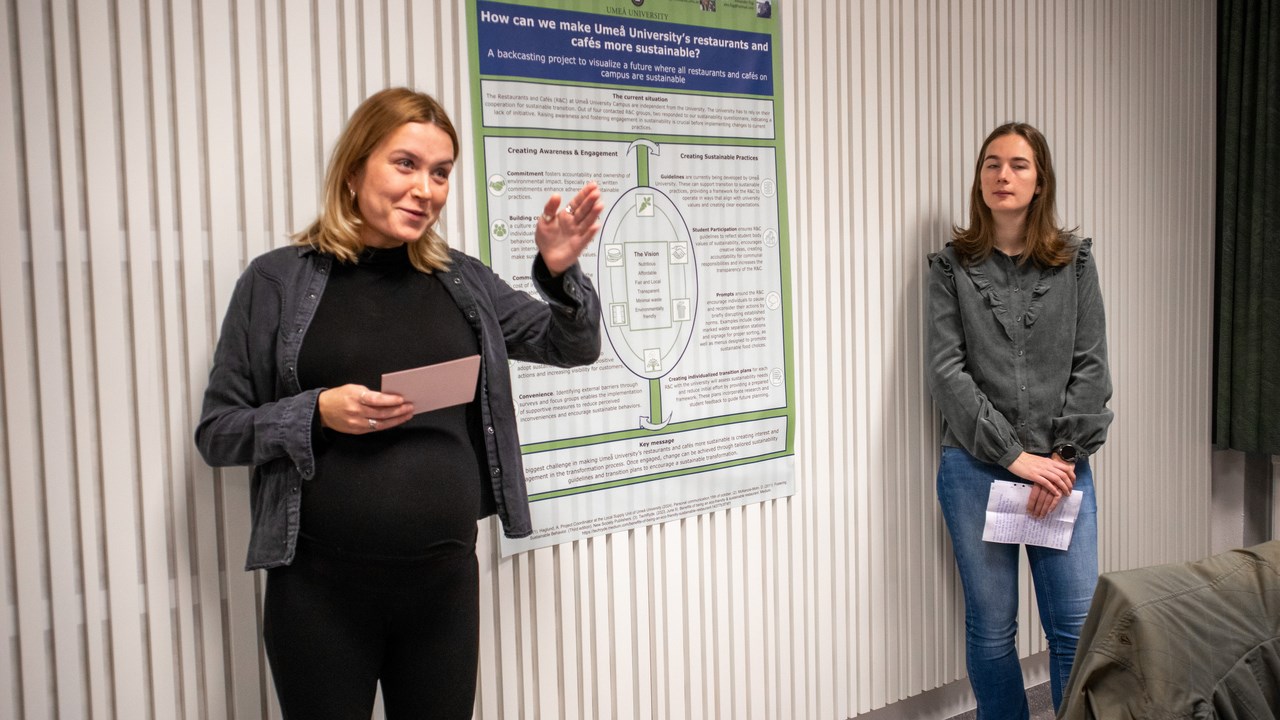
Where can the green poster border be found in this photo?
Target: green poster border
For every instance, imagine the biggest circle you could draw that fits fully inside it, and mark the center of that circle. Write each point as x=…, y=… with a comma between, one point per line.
x=687, y=15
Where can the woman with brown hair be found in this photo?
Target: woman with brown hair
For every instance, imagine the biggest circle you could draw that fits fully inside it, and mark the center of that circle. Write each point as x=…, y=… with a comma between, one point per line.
x=1017, y=363
x=364, y=512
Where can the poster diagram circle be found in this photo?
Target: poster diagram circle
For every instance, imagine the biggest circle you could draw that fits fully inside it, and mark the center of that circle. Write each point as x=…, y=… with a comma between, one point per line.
x=648, y=281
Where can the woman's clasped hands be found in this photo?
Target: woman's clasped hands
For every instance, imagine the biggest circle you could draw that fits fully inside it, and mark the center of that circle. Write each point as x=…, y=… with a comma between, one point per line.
x=1052, y=479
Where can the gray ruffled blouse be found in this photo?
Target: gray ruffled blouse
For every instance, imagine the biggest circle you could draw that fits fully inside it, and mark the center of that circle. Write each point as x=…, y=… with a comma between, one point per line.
x=1017, y=354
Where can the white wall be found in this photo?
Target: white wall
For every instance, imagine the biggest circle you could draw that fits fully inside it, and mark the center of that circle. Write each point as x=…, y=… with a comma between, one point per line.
x=1245, y=500
x=155, y=147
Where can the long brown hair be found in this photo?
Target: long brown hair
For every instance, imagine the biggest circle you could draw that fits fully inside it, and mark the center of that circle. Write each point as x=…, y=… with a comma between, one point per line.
x=1048, y=244
x=337, y=230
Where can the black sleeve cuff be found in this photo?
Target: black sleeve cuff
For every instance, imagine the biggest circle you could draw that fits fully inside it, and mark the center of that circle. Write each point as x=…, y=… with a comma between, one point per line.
x=319, y=435
x=553, y=286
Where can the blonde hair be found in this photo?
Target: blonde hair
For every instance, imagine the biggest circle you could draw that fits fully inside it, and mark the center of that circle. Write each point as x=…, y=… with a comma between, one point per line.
x=1047, y=244
x=337, y=230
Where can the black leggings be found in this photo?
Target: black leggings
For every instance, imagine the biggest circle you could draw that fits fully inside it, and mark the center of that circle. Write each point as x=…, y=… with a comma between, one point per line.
x=335, y=627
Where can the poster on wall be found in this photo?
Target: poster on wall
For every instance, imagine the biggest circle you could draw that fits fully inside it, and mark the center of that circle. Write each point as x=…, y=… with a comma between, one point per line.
x=675, y=108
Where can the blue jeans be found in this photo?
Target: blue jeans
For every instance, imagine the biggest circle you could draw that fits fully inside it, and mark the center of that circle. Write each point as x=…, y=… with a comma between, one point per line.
x=1064, y=582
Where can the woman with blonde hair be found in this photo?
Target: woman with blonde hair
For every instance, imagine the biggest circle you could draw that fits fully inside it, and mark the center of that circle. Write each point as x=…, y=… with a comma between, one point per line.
x=364, y=512
x=1017, y=364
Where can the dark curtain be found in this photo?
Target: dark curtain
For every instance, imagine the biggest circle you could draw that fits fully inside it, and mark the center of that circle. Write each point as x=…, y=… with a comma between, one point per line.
x=1247, y=361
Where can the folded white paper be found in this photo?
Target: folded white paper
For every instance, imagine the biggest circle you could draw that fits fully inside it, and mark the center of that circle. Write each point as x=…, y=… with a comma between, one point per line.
x=1009, y=522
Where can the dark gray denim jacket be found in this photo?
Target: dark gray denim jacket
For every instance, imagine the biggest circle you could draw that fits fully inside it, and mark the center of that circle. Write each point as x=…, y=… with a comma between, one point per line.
x=1017, y=355
x=255, y=413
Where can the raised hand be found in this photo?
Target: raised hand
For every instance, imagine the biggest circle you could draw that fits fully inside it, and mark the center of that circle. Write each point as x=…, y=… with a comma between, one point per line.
x=562, y=234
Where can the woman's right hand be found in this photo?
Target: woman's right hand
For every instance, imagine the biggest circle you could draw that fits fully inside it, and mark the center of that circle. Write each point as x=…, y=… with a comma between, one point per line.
x=562, y=234
x=1052, y=477
x=356, y=410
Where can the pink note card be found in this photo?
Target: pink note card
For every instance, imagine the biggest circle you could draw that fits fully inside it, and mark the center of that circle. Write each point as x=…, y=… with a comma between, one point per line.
x=432, y=387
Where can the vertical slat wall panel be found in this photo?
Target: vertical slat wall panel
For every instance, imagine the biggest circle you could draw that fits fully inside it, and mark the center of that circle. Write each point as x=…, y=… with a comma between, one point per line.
x=112, y=380
x=144, y=335
x=156, y=147
x=25, y=592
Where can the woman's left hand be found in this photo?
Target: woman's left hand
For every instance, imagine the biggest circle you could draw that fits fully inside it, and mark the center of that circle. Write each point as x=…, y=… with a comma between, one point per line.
x=562, y=235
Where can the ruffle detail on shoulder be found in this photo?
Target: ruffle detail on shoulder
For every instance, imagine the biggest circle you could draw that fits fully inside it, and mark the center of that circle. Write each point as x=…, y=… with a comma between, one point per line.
x=1084, y=249
x=942, y=262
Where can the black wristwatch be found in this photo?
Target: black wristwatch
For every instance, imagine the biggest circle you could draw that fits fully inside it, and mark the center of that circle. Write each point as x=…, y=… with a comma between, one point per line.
x=1067, y=452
